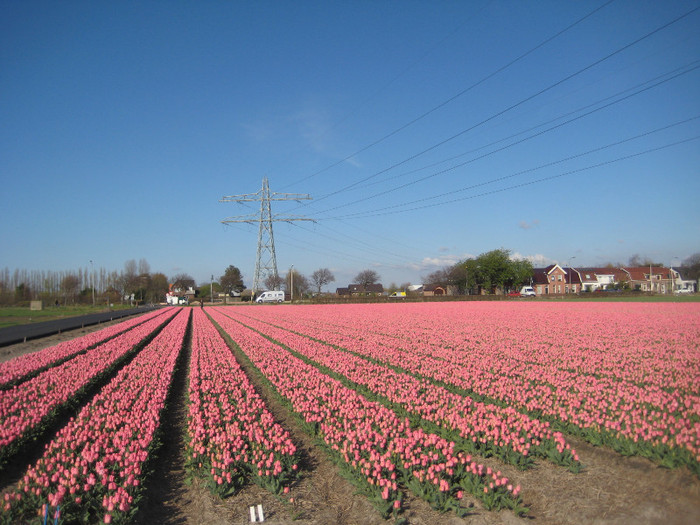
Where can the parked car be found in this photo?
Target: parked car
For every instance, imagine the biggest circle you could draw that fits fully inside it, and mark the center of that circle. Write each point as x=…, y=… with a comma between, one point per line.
x=683, y=291
x=272, y=296
x=527, y=291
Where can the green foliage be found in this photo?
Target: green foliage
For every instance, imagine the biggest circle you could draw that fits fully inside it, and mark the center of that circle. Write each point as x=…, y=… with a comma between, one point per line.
x=490, y=271
x=232, y=280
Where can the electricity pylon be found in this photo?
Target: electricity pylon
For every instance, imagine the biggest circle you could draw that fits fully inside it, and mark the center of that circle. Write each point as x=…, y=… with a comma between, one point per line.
x=266, y=261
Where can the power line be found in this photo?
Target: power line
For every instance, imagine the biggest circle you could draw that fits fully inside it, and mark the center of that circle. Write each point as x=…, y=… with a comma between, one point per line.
x=454, y=97
x=695, y=64
x=385, y=210
x=515, y=105
x=535, y=135
x=381, y=89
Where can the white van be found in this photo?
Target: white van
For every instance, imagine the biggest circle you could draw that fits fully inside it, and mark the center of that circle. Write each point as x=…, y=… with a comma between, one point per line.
x=527, y=291
x=274, y=296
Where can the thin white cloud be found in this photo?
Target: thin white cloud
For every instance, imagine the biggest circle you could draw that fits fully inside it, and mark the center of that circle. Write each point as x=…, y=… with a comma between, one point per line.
x=435, y=263
x=313, y=126
x=529, y=225
x=537, y=260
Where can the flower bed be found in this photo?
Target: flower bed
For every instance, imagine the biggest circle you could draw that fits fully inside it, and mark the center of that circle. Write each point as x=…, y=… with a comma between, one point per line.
x=28, y=365
x=28, y=406
x=232, y=434
x=94, y=467
x=379, y=449
x=481, y=428
x=638, y=394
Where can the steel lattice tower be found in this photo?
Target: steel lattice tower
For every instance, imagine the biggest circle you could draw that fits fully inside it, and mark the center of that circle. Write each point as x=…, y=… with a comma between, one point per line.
x=266, y=261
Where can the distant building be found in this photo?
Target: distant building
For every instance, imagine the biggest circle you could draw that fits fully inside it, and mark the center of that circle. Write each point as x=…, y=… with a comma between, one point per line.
x=358, y=290
x=556, y=280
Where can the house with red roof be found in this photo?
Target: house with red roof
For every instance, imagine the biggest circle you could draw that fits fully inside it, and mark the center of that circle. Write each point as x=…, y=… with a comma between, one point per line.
x=556, y=280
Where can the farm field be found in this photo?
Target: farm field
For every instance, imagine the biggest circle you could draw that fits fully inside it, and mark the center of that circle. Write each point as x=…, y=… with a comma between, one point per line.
x=497, y=412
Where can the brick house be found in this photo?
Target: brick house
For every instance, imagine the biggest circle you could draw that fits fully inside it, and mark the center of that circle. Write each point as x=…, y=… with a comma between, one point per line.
x=651, y=279
x=556, y=280
x=430, y=290
x=593, y=279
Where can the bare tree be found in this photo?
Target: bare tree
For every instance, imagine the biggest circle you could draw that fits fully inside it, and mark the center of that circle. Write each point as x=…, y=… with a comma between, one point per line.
x=301, y=283
x=182, y=281
x=70, y=286
x=366, y=277
x=144, y=267
x=322, y=277
x=690, y=269
x=273, y=282
x=438, y=277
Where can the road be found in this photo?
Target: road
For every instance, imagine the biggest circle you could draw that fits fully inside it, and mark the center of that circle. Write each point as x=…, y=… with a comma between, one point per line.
x=20, y=333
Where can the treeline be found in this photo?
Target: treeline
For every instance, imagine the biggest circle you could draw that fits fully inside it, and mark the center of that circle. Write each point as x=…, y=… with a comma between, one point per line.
x=490, y=271
x=135, y=283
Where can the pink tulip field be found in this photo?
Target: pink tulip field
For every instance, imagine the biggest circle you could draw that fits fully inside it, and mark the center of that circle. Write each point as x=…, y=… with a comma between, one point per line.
x=380, y=448
x=26, y=405
x=622, y=374
x=231, y=432
x=92, y=468
x=419, y=399
x=28, y=365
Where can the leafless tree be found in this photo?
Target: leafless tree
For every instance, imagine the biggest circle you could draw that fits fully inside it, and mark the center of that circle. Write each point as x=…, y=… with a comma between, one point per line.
x=70, y=285
x=182, y=281
x=301, y=283
x=322, y=277
x=366, y=277
x=273, y=282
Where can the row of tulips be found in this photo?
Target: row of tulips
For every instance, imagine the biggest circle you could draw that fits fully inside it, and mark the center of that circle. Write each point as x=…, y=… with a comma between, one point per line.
x=94, y=467
x=25, y=408
x=379, y=449
x=231, y=432
x=28, y=365
x=644, y=343
x=636, y=413
x=482, y=428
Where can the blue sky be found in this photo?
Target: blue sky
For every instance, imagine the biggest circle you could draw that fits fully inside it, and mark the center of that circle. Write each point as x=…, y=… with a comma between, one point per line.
x=425, y=132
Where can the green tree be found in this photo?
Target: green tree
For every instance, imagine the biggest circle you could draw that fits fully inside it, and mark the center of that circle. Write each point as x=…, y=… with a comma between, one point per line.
x=22, y=293
x=522, y=272
x=489, y=271
x=232, y=280
x=205, y=290
x=158, y=288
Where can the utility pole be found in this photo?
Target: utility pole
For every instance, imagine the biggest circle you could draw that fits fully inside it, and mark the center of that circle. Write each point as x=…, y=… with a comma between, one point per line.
x=266, y=260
